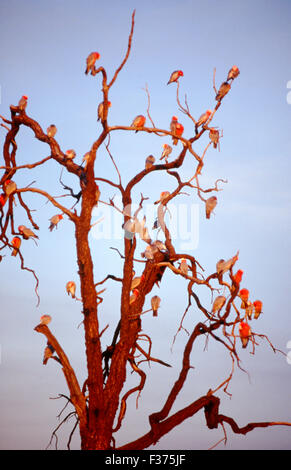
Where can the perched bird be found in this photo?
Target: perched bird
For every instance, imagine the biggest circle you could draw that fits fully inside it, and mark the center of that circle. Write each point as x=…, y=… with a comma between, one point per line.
x=176, y=128
x=149, y=252
x=90, y=61
x=223, y=266
x=48, y=353
x=258, y=305
x=86, y=158
x=163, y=196
x=26, y=232
x=238, y=276
x=218, y=303
x=3, y=199
x=9, y=187
x=134, y=296
x=16, y=242
x=223, y=90
x=245, y=333
x=70, y=154
x=54, y=221
x=184, y=266
x=22, y=103
x=233, y=73
x=210, y=205
x=249, y=309
x=166, y=152
x=136, y=282
x=51, y=130
x=71, y=289
x=175, y=76
x=45, y=319
x=244, y=296
x=138, y=122
x=214, y=136
x=149, y=162
x=100, y=110
x=203, y=119
x=155, y=303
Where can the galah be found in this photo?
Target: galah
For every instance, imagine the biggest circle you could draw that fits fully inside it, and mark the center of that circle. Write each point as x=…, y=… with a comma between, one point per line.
x=203, y=119
x=258, y=305
x=175, y=76
x=54, y=221
x=244, y=333
x=184, y=266
x=22, y=102
x=249, y=309
x=155, y=303
x=70, y=154
x=45, y=319
x=149, y=252
x=16, y=242
x=138, y=122
x=136, y=282
x=238, y=276
x=149, y=162
x=48, y=353
x=9, y=187
x=244, y=296
x=176, y=128
x=100, y=110
x=166, y=152
x=71, y=289
x=223, y=266
x=233, y=73
x=214, y=136
x=134, y=296
x=3, y=199
x=223, y=90
x=90, y=61
x=218, y=303
x=163, y=196
x=26, y=232
x=210, y=205
x=51, y=130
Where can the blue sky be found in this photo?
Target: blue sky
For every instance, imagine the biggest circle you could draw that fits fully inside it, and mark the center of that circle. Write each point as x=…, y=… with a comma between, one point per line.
x=44, y=46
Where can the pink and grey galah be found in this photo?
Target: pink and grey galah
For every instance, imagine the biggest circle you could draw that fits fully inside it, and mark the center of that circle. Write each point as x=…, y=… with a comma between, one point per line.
x=223, y=266
x=166, y=152
x=176, y=128
x=22, y=103
x=45, y=319
x=149, y=162
x=245, y=333
x=9, y=187
x=258, y=305
x=149, y=252
x=54, y=221
x=71, y=289
x=214, y=136
x=163, y=196
x=90, y=61
x=233, y=73
x=175, y=76
x=51, y=130
x=138, y=122
x=16, y=242
x=136, y=281
x=100, y=115
x=48, y=353
x=155, y=304
x=210, y=205
x=203, y=119
x=26, y=232
x=184, y=266
x=223, y=90
x=218, y=303
x=3, y=200
x=70, y=154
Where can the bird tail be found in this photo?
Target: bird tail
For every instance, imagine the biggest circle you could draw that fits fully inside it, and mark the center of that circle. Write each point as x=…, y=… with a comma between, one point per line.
x=14, y=252
x=196, y=129
x=175, y=141
x=155, y=313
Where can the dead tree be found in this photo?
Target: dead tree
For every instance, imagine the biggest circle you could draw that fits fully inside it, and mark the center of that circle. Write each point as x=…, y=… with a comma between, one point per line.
x=98, y=405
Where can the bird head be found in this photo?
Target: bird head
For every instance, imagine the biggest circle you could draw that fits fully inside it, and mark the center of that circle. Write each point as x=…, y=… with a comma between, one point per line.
x=16, y=241
x=174, y=118
x=96, y=55
x=180, y=73
x=109, y=104
x=165, y=146
x=21, y=228
x=25, y=97
x=208, y=112
x=135, y=292
x=60, y=216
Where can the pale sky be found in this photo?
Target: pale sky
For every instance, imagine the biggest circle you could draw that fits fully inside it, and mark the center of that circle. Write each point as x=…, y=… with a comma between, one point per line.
x=44, y=46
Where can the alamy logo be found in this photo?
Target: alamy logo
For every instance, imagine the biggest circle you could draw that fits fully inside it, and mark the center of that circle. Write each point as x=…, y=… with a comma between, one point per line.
x=288, y=358
x=289, y=92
